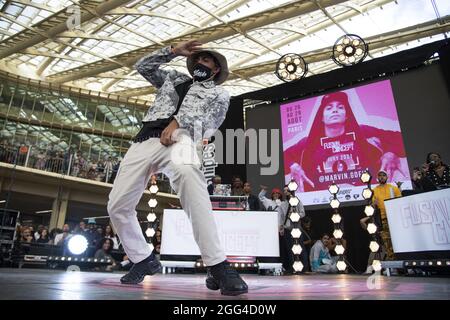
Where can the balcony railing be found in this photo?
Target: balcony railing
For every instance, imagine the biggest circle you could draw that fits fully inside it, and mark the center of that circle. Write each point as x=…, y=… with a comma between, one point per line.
x=68, y=163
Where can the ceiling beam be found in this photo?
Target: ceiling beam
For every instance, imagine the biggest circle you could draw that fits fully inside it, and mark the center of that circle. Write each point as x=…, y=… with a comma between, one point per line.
x=204, y=35
x=221, y=12
x=53, y=25
x=393, y=38
x=348, y=14
x=396, y=37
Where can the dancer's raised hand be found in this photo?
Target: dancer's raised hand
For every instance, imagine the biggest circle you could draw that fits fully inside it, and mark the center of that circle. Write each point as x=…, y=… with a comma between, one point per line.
x=187, y=48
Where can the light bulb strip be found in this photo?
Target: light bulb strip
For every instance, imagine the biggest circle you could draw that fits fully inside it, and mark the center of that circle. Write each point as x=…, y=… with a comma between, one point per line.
x=337, y=226
x=377, y=257
x=297, y=266
x=152, y=224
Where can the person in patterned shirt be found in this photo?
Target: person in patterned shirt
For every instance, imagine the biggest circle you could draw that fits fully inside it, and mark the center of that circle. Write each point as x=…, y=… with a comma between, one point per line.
x=187, y=110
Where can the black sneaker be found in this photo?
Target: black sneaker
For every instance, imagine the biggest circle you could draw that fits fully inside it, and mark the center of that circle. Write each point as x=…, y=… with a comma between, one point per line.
x=223, y=277
x=137, y=273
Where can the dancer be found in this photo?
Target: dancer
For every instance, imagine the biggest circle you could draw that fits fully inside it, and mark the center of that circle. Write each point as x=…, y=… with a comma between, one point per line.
x=185, y=111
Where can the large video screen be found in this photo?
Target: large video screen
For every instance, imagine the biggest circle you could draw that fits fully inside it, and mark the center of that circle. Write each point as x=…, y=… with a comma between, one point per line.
x=335, y=137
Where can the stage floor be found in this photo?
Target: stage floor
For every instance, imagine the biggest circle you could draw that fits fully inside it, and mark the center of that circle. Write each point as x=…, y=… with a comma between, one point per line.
x=29, y=284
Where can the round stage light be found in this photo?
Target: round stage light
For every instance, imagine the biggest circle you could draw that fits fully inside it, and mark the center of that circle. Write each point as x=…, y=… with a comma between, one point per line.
x=77, y=244
x=298, y=266
x=296, y=233
x=376, y=264
x=338, y=233
x=291, y=67
x=295, y=217
x=367, y=193
x=339, y=249
x=153, y=203
x=371, y=228
x=335, y=203
x=294, y=201
x=333, y=188
x=349, y=49
x=151, y=217
x=369, y=210
x=366, y=177
x=151, y=247
x=341, y=265
x=374, y=246
x=153, y=189
x=150, y=232
x=296, y=249
x=336, y=218
x=292, y=186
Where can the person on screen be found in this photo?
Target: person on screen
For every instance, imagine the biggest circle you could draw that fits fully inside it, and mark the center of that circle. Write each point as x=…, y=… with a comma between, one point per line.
x=381, y=193
x=338, y=149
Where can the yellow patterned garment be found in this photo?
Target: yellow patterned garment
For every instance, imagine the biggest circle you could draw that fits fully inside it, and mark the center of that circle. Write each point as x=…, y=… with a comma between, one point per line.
x=383, y=192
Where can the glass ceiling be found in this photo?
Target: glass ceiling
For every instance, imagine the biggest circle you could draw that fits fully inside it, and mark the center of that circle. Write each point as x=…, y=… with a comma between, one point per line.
x=125, y=26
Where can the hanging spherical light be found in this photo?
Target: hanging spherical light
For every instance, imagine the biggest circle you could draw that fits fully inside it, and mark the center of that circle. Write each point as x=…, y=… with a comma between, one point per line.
x=349, y=49
x=291, y=67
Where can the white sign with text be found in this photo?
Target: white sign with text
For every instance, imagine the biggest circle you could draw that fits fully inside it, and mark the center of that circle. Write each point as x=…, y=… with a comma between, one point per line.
x=420, y=222
x=242, y=233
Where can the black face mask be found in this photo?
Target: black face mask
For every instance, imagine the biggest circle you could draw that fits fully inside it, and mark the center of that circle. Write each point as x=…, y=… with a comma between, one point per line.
x=201, y=72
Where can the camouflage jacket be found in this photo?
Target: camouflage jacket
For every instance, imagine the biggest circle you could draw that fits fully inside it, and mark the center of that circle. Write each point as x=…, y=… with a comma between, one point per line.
x=204, y=106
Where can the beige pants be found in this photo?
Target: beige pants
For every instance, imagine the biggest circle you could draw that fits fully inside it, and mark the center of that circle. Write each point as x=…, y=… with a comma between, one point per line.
x=179, y=162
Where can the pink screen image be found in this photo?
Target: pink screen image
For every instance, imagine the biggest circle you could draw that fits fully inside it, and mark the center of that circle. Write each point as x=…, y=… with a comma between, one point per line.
x=335, y=137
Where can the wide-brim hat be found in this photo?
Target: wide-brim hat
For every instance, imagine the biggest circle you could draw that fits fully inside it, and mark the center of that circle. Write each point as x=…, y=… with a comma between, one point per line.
x=223, y=74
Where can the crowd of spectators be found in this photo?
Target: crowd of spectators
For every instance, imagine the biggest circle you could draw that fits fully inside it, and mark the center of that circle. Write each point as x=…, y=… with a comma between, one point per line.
x=318, y=250
x=101, y=238
x=53, y=158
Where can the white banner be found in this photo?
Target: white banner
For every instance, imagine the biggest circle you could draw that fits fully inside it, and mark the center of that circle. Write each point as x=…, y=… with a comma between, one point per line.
x=420, y=222
x=242, y=233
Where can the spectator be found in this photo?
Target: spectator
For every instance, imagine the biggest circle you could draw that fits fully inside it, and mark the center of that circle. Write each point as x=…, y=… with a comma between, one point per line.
x=281, y=207
x=40, y=163
x=104, y=252
x=421, y=182
x=26, y=235
x=237, y=186
x=252, y=200
x=38, y=232
x=61, y=237
x=97, y=236
x=372, y=255
x=44, y=237
x=215, y=181
x=53, y=233
x=116, y=167
x=82, y=229
x=108, y=169
x=157, y=238
x=321, y=260
x=307, y=239
x=383, y=192
x=438, y=172
x=157, y=250
x=109, y=234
